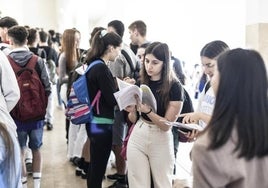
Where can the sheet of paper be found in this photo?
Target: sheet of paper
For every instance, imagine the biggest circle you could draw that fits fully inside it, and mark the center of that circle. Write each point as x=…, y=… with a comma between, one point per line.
x=122, y=84
x=189, y=126
x=148, y=97
x=126, y=95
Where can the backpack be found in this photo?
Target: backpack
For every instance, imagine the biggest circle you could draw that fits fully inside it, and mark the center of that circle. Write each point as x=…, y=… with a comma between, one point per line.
x=186, y=108
x=79, y=107
x=33, y=100
x=134, y=70
x=73, y=76
x=50, y=64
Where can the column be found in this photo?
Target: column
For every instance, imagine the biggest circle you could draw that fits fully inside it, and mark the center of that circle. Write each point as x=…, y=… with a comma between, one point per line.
x=257, y=27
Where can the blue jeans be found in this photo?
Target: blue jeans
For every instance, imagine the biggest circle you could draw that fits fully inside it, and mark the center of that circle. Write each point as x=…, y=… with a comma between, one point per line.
x=35, y=138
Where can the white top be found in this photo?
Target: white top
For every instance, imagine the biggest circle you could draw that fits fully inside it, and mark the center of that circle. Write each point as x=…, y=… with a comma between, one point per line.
x=206, y=104
x=10, y=92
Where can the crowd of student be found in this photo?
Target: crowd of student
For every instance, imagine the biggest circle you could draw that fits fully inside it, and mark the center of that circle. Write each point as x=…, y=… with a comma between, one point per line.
x=231, y=151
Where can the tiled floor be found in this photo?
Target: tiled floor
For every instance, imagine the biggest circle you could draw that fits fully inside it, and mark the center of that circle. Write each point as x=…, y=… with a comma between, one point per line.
x=58, y=172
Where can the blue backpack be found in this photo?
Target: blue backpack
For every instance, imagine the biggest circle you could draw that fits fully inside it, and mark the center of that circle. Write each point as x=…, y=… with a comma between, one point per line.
x=79, y=107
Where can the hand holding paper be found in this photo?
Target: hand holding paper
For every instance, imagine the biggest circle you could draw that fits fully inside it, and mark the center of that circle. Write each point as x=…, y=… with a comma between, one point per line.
x=184, y=127
x=127, y=92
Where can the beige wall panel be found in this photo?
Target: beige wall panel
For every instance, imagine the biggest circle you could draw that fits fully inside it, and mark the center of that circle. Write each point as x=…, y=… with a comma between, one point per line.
x=257, y=38
x=252, y=36
x=263, y=41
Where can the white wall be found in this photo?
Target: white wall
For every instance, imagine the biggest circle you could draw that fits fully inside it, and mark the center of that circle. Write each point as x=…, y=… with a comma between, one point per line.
x=257, y=11
x=186, y=25
x=35, y=13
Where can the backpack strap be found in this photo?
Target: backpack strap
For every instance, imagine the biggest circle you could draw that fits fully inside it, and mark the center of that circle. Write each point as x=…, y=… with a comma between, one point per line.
x=92, y=64
x=98, y=95
x=2, y=48
x=13, y=64
x=30, y=65
x=207, y=86
x=39, y=51
x=32, y=62
x=97, y=100
x=125, y=54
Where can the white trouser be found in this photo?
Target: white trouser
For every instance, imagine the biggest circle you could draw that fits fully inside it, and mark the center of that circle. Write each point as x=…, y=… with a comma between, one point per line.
x=50, y=105
x=150, y=149
x=77, y=139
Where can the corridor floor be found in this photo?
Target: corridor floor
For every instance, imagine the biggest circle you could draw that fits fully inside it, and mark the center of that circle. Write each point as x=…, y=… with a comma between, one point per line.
x=58, y=172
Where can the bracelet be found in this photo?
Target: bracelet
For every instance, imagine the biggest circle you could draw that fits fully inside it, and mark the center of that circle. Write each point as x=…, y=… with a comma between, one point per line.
x=149, y=112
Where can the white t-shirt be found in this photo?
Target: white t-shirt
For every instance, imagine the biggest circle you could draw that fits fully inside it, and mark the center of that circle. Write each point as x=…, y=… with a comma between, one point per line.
x=206, y=104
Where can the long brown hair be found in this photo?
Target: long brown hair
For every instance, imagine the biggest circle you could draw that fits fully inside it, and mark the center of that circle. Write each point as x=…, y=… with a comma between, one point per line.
x=162, y=53
x=68, y=46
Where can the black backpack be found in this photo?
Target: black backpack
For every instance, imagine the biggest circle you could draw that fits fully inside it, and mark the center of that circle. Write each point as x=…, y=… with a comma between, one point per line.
x=50, y=64
x=186, y=108
x=187, y=105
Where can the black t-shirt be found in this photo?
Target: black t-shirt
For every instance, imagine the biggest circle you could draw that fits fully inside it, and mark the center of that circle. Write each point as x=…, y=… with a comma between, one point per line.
x=39, y=52
x=175, y=94
x=134, y=48
x=51, y=54
x=99, y=77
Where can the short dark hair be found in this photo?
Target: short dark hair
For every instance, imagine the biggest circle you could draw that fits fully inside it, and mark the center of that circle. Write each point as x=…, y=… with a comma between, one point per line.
x=19, y=34
x=32, y=36
x=43, y=36
x=51, y=32
x=8, y=22
x=140, y=26
x=118, y=26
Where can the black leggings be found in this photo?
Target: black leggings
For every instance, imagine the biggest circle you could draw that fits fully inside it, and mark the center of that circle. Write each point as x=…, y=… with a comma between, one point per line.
x=100, y=136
